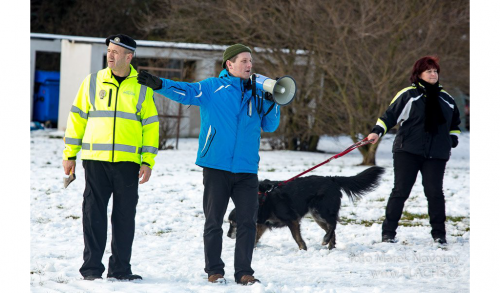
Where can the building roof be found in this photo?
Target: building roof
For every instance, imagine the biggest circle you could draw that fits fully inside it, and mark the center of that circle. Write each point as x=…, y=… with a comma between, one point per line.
x=145, y=43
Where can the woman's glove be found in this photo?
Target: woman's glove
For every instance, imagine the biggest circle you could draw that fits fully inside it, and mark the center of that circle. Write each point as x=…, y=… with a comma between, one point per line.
x=454, y=141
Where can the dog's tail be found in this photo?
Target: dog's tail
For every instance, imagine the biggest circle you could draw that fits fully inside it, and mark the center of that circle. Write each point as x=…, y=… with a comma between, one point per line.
x=356, y=186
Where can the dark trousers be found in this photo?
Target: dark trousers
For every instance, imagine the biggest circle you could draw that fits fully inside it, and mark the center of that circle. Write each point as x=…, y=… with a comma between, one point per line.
x=101, y=180
x=406, y=168
x=243, y=189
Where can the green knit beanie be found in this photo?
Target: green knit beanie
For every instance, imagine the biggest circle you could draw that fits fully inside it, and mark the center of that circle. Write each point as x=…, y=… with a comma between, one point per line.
x=232, y=51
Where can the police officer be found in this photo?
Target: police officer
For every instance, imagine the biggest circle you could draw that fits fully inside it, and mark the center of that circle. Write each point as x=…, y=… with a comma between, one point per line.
x=228, y=151
x=114, y=122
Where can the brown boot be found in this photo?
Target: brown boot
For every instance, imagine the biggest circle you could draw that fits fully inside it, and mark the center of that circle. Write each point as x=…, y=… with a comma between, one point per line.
x=248, y=280
x=217, y=278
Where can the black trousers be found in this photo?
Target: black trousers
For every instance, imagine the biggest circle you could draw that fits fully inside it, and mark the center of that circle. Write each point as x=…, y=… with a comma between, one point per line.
x=406, y=168
x=101, y=180
x=243, y=189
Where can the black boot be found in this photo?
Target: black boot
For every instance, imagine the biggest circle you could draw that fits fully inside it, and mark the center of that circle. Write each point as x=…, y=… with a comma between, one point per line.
x=440, y=240
x=388, y=239
x=129, y=277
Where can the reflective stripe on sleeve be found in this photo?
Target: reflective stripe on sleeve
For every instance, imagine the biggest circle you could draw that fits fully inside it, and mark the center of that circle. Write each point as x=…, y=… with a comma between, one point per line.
x=382, y=124
x=142, y=97
x=150, y=120
x=92, y=89
x=74, y=141
x=78, y=111
x=149, y=149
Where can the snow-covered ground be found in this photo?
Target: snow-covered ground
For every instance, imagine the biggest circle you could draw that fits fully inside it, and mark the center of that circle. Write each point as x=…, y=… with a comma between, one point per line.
x=168, y=245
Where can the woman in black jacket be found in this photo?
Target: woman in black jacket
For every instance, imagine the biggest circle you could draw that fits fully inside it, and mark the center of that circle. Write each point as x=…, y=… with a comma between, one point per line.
x=428, y=121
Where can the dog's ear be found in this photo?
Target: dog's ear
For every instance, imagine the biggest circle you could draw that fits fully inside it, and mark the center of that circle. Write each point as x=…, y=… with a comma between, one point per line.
x=265, y=185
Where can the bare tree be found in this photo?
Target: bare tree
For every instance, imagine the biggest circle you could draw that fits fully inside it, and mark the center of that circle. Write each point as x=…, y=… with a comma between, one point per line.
x=367, y=58
x=349, y=57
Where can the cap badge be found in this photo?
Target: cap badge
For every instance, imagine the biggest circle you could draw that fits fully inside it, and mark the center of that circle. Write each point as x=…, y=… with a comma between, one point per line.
x=117, y=39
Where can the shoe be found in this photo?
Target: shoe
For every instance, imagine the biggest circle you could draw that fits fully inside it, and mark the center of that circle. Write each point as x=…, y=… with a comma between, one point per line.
x=217, y=278
x=440, y=240
x=92, y=278
x=247, y=280
x=388, y=239
x=129, y=277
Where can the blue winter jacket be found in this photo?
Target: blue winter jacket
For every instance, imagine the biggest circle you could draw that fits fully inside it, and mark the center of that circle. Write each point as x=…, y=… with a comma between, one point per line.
x=230, y=125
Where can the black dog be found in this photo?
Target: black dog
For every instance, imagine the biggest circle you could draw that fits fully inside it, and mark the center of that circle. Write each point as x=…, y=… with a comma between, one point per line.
x=319, y=195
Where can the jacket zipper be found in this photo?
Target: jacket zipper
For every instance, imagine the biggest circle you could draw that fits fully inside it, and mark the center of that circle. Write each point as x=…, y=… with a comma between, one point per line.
x=114, y=126
x=237, y=126
x=114, y=121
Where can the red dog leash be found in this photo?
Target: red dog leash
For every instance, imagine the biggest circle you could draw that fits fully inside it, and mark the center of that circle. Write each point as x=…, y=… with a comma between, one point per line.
x=347, y=150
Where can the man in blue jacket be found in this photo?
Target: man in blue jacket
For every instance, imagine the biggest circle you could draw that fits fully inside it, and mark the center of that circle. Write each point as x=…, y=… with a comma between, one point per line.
x=228, y=151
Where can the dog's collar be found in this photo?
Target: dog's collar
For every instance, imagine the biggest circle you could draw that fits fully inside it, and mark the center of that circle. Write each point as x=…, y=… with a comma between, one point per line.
x=263, y=195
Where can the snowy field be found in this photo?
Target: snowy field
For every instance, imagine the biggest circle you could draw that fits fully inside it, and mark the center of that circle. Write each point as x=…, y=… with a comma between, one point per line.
x=168, y=245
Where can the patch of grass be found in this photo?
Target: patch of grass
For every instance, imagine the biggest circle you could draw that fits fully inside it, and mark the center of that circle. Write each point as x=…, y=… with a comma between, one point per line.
x=163, y=231
x=407, y=216
x=380, y=199
x=366, y=223
x=455, y=219
x=410, y=224
x=60, y=207
x=73, y=217
x=271, y=170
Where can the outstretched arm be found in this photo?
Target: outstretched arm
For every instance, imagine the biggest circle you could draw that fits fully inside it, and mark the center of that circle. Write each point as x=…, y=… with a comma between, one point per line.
x=183, y=92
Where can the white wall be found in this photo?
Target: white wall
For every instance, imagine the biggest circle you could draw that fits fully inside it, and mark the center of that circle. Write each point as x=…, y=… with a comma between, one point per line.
x=76, y=64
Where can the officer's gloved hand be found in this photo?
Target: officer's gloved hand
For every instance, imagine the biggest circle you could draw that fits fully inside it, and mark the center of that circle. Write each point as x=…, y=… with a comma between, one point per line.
x=149, y=80
x=454, y=141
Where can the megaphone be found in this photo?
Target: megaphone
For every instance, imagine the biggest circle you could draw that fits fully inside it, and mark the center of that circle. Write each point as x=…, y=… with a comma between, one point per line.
x=283, y=89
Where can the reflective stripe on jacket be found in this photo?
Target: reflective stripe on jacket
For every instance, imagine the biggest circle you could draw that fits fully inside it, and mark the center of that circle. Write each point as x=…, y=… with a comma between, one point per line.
x=230, y=124
x=113, y=122
x=407, y=109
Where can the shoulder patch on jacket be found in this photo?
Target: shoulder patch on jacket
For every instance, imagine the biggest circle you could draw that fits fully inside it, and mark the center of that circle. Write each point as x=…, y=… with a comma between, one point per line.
x=401, y=92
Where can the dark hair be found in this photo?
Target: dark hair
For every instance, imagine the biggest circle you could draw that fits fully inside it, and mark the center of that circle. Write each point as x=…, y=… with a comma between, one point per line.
x=422, y=64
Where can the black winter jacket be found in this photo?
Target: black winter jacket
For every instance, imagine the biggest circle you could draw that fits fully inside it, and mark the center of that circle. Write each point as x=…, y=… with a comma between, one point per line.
x=408, y=110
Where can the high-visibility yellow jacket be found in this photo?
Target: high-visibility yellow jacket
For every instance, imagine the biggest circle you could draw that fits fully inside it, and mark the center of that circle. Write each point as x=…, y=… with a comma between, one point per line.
x=113, y=122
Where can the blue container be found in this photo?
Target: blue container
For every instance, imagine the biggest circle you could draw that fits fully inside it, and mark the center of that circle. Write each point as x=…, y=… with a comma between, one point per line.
x=46, y=96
